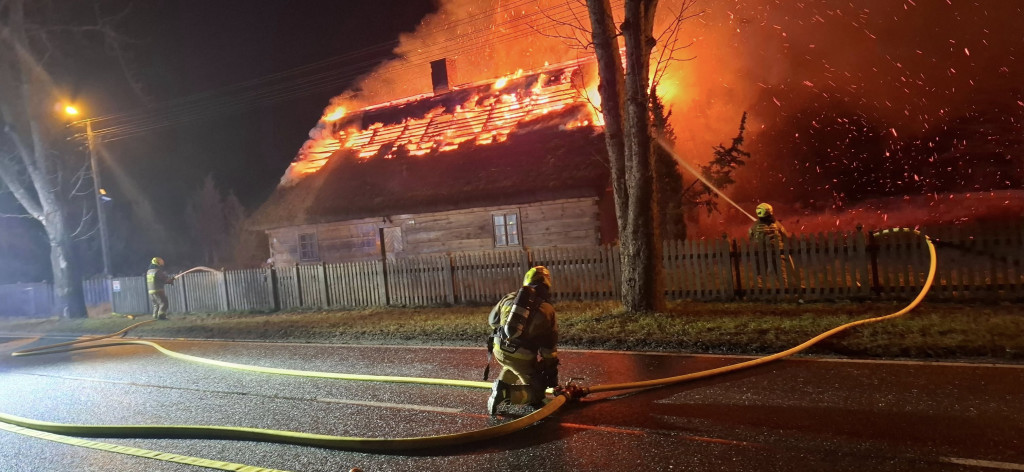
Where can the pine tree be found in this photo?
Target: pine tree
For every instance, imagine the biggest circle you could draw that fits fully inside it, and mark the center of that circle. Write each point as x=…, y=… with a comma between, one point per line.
x=718, y=172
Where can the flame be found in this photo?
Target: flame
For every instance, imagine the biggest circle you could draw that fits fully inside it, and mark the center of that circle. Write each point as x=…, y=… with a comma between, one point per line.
x=485, y=117
x=503, y=81
x=334, y=115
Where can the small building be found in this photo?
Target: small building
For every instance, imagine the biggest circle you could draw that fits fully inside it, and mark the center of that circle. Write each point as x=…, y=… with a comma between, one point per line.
x=516, y=163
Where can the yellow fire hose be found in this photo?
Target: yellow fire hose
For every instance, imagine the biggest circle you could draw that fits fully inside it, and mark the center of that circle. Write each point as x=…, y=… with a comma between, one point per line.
x=570, y=392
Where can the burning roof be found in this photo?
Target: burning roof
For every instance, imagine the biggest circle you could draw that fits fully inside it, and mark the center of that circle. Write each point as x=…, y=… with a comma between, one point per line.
x=522, y=139
x=476, y=114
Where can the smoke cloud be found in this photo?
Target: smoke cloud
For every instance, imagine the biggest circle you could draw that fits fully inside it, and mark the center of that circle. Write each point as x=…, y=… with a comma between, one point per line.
x=853, y=107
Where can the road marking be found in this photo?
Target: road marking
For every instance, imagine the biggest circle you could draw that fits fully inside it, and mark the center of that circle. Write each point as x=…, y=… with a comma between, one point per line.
x=981, y=463
x=944, y=363
x=646, y=431
x=134, y=451
x=405, y=406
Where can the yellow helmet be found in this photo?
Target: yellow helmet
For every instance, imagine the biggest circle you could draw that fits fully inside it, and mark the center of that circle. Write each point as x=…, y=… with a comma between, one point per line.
x=763, y=210
x=538, y=275
x=157, y=261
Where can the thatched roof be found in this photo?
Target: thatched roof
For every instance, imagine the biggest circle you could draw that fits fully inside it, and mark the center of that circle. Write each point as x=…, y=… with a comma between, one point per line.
x=537, y=162
x=523, y=140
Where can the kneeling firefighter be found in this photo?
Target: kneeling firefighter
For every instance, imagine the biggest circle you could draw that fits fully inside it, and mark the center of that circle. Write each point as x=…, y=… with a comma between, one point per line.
x=524, y=343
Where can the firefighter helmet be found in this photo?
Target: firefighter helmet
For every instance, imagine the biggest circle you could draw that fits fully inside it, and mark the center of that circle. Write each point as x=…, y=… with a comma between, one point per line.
x=763, y=210
x=157, y=261
x=538, y=275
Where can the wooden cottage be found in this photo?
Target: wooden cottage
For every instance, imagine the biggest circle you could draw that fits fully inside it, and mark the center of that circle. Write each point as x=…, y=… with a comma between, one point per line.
x=516, y=164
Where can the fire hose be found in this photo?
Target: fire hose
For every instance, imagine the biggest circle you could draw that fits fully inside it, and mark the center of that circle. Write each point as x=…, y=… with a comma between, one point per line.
x=562, y=395
x=203, y=268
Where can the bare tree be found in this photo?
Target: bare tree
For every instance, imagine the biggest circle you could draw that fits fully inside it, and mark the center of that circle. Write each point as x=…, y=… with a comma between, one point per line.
x=44, y=180
x=625, y=104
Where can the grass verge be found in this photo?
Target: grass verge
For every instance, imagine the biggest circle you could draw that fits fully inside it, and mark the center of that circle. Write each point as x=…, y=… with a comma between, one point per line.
x=932, y=331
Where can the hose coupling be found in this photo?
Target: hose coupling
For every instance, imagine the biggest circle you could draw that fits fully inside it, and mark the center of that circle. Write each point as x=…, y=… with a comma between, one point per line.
x=571, y=390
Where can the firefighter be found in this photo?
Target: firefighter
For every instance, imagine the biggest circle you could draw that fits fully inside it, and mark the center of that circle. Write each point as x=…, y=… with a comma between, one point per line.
x=526, y=346
x=766, y=230
x=156, y=279
x=768, y=235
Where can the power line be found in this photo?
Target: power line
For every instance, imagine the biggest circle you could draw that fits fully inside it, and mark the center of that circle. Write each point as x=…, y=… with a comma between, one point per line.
x=304, y=80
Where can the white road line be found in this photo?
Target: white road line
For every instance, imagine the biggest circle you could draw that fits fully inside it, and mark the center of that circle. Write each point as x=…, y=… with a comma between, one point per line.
x=986, y=464
x=405, y=406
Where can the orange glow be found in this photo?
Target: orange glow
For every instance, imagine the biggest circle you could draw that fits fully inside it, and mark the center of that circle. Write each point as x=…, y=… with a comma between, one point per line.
x=71, y=110
x=334, y=115
x=487, y=116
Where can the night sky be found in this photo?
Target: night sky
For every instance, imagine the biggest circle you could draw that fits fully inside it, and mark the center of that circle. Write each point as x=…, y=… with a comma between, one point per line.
x=244, y=137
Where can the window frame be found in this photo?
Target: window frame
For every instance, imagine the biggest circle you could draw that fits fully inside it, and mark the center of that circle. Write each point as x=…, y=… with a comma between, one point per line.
x=309, y=250
x=504, y=228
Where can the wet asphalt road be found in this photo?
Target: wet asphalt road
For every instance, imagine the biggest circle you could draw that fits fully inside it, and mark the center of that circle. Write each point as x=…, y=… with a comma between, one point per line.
x=786, y=416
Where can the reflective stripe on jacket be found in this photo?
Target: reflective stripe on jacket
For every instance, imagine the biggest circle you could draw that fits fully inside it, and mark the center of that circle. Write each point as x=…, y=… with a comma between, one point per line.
x=156, y=278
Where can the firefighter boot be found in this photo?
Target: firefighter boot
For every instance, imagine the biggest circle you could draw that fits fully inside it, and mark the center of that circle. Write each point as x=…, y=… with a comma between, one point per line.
x=499, y=395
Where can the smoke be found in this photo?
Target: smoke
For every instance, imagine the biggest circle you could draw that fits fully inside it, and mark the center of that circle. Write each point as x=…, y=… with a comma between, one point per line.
x=486, y=39
x=849, y=102
x=857, y=108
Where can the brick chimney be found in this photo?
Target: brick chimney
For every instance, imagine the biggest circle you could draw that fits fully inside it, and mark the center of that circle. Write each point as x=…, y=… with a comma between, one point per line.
x=442, y=75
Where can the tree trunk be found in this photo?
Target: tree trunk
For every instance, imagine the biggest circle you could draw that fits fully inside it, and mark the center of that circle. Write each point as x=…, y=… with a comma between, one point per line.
x=625, y=106
x=68, y=296
x=25, y=104
x=609, y=63
x=641, y=249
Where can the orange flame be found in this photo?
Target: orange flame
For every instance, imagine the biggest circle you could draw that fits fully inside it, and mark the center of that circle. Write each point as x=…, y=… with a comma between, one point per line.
x=483, y=118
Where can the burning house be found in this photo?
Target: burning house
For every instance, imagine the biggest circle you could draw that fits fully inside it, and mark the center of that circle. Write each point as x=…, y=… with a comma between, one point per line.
x=517, y=162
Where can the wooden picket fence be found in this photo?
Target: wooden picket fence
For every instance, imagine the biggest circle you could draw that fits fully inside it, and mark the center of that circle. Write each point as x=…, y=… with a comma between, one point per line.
x=974, y=262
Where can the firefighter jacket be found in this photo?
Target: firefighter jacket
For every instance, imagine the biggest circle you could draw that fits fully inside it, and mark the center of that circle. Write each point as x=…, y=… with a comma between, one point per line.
x=532, y=324
x=768, y=233
x=157, y=278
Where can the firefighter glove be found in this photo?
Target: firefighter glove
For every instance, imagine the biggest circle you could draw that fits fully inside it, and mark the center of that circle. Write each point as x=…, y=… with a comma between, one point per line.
x=548, y=368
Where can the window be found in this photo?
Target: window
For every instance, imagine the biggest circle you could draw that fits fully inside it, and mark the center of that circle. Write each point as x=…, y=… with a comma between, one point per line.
x=308, y=247
x=506, y=229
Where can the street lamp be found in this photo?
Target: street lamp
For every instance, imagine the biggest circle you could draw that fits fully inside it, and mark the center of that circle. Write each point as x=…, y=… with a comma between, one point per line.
x=99, y=192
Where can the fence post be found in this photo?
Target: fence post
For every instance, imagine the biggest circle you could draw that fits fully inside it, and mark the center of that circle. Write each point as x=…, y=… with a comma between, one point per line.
x=109, y=290
x=384, y=266
x=876, y=285
x=223, y=276
x=298, y=285
x=734, y=261
x=323, y=286
x=450, y=277
x=184, y=295
x=271, y=278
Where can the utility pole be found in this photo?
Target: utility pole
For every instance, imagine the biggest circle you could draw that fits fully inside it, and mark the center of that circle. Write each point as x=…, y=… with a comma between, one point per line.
x=99, y=200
